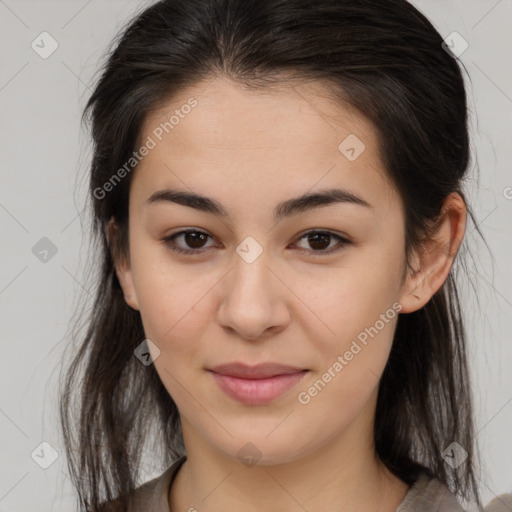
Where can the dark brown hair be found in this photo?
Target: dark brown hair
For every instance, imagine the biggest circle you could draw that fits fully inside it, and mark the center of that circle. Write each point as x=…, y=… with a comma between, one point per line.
x=384, y=58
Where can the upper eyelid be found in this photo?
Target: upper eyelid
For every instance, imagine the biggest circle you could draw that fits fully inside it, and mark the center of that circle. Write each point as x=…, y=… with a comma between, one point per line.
x=298, y=237
x=342, y=239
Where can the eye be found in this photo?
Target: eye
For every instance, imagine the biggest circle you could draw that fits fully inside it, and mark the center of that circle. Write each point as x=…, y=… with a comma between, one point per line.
x=319, y=240
x=194, y=238
x=195, y=241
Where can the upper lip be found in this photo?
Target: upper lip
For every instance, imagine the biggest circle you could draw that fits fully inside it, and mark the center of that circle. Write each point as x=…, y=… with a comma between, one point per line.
x=260, y=371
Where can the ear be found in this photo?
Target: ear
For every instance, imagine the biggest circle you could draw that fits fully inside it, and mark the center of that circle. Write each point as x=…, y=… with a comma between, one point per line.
x=122, y=265
x=433, y=262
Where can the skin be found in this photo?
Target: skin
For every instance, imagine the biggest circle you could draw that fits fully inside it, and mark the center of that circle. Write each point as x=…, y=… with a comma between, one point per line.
x=250, y=151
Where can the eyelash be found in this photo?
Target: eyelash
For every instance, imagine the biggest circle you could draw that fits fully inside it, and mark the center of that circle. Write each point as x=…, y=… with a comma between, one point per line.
x=170, y=243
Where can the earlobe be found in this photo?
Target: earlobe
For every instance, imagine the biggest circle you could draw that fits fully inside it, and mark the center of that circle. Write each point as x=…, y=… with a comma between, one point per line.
x=125, y=277
x=434, y=262
x=122, y=266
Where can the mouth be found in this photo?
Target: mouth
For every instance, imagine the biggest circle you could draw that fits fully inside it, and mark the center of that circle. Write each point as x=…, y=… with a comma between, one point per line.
x=256, y=385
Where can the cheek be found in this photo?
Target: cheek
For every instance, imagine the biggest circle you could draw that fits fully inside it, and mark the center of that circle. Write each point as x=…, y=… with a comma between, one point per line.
x=358, y=312
x=172, y=310
x=362, y=316
x=171, y=298
x=349, y=300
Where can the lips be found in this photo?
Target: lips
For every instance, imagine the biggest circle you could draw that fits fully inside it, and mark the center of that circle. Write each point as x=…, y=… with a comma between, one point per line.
x=256, y=385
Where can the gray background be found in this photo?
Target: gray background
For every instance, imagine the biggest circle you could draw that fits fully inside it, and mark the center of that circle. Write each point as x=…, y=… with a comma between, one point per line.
x=44, y=161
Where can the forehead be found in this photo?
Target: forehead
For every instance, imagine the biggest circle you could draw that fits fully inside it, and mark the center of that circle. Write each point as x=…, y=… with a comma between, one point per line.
x=227, y=114
x=292, y=136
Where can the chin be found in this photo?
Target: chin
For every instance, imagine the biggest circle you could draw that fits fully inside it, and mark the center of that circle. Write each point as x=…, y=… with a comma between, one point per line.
x=264, y=449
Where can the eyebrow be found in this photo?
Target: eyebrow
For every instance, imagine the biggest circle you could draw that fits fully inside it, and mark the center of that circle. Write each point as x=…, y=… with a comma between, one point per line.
x=287, y=208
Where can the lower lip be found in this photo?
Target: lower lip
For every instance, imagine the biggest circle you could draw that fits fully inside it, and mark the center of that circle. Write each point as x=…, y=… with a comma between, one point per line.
x=257, y=391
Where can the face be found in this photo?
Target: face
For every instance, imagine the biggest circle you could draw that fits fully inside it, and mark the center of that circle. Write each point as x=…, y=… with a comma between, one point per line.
x=314, y=285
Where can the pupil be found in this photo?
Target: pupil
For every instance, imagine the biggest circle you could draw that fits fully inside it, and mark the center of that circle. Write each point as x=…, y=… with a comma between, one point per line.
x=313, y=240
x=192, y=239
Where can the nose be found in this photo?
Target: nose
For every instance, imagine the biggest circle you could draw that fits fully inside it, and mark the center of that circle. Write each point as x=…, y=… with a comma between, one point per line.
x=254, y=300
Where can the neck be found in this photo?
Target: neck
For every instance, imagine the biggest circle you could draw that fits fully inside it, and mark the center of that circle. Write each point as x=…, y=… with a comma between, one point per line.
x=344, y=474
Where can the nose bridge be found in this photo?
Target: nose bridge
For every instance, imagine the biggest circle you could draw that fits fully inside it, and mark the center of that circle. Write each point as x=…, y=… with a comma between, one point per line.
x=251, y=301
x=251, y=273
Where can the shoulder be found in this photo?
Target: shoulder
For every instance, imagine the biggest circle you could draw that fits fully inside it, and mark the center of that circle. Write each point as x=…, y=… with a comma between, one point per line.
x=502, y=503
x=430, y=495
x=152, y=496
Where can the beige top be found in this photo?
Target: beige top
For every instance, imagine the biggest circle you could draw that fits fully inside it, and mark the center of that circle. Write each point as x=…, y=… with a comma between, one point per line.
x=425, y=495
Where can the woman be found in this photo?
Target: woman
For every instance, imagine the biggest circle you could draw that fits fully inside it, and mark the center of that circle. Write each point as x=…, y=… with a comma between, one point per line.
x=277, y=193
